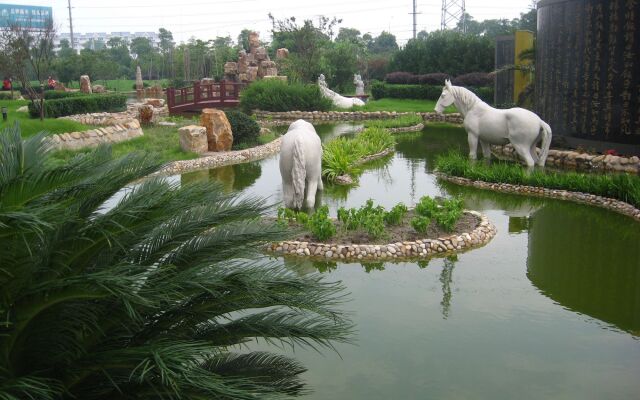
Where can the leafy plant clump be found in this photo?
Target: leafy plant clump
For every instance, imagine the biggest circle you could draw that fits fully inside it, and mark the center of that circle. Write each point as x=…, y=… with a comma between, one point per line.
x=275, y=95
x=623, y=187
x=144, y=293
x=342, y=156
x=445, y=212
x=245, y=129
x=400, y=122
x=318, y=223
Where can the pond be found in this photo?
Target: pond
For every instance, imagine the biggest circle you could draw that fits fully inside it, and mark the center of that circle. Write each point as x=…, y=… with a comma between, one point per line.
x=550, y=308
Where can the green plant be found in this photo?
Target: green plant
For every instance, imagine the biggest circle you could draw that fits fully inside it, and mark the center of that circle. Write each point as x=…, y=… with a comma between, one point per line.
x=623, y=187
x=395, y=215
x=427, y=207
x=79, y=105
x=5, y=95
x=402, y=121
x=420, y=223
x=275, y=95
x=373, y=223
x=244, y=128
x=150, y=297
x=320, y=225
x=56, y=94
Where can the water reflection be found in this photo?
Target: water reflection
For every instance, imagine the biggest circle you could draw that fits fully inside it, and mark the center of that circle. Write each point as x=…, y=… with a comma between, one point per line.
x=232, y=177
x=446, y=278
x=588, y=260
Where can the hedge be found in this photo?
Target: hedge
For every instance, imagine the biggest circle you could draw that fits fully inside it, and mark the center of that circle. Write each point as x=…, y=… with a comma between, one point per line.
x=56, y=94
x=5, y=95
x=275, y=95
x=381, y=90
x=80, y=105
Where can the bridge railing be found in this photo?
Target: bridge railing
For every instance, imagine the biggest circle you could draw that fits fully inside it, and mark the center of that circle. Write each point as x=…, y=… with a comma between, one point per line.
x=202, y=95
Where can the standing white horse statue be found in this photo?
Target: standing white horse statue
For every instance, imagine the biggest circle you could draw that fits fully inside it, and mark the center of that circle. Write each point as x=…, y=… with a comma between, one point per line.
x=301, y=165
x=489, y=125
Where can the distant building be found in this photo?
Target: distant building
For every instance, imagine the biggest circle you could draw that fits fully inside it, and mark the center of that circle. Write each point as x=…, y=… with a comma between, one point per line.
x=83, y=40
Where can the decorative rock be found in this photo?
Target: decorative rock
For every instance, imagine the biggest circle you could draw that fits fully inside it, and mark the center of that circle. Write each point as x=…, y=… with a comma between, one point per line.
x=60, y=86
x=282, y=53
x=98, y=89
x=23, y=109
x=85, y=84
x=252, y=73
x=154, y=102
x=193, y=138
x=219, y=135
x=145, y=114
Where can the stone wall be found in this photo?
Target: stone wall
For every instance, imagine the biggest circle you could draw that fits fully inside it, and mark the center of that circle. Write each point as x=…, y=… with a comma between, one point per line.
x=578, y=160
x=119, y=132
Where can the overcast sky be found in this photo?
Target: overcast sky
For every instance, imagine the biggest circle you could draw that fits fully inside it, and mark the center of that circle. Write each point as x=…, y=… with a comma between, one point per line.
x=207, y=19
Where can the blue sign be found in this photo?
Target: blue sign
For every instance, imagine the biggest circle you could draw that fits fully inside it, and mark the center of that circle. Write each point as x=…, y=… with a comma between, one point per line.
x=34, y=17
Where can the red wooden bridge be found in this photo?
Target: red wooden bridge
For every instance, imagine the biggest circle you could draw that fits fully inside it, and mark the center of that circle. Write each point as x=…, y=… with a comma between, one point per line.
x=204, y=95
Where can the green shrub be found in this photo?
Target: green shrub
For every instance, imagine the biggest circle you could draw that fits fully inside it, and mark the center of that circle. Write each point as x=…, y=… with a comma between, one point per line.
x=373, y=223
x=396, y=214
x=275, y=95
x=79, y=105
x=320, y=225
x=445, y=212
x=244, y=128
x=427, y=207
x=420, y=223
x=422, y=92
x=144, y=85
x=5, y=95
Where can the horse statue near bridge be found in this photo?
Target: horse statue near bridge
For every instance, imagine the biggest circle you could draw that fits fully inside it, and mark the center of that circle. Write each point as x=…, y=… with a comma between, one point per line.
x=489, y=125
x=301, y=165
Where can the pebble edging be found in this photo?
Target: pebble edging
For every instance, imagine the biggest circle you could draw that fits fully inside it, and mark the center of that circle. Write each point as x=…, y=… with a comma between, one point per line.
x=480, y=236
x=618, y=206
x=219, y=159
x=453, y=118
x=580, y=161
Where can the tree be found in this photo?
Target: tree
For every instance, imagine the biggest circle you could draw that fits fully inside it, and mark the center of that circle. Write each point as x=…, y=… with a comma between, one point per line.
x=149, y=298
x=166, y=49
x=29, y=53
x=307, y=44
x=384, y=43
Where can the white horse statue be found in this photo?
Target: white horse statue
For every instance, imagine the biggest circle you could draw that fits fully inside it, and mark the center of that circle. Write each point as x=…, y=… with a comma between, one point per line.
x=337, y=100
x=489, y=125
x=301, y=165
x=357, y=80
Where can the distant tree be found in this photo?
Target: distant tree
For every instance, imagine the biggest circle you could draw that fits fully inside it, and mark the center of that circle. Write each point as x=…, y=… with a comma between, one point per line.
x=243, y=39
x=384, y=43
x=28, y=53
x=166, y=48
x=344, y=58
x=349, y=35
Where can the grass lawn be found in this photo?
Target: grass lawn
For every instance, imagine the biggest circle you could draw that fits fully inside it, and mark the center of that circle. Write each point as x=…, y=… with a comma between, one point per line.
x=30, y=126
x=402, y=105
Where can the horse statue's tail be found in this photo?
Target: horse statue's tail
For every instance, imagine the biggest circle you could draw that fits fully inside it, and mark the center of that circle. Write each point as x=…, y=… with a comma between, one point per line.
x=299, y=173
x=546, y=143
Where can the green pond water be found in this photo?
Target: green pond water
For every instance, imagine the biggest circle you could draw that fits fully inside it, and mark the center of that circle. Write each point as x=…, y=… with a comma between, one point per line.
x=549, y=309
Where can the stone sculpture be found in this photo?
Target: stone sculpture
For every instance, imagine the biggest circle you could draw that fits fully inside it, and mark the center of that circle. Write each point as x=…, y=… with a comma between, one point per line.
x=488, y=125
x=85, y=84
x=219, y=134
x=139, y=82
x=300, y=165
x=357, y=80
x=337, y=100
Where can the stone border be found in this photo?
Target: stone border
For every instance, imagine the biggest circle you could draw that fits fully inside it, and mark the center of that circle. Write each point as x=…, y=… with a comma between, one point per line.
x=221, y=159
x=405, y=129
x=584, y=198
x=480, y=236
x=580, y=161
x=121, y=131
x=453, y=118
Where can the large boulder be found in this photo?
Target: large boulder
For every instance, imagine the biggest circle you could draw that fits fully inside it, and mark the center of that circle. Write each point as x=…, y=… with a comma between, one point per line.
x=154, y=102
x=282, y=53
x=85, y=84
x=252, y=74
x=219, y=134
x=98, y=89
x=145, y=114
x=254, y=41
x=193, y=138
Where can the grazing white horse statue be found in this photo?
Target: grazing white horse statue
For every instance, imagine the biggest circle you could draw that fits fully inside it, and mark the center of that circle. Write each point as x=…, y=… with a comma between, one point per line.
x=301, y=165
x=489, y=125
x=337, y=100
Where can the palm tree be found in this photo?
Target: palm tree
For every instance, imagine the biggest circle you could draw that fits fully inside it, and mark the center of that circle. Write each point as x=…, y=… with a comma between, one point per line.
x=150, y=298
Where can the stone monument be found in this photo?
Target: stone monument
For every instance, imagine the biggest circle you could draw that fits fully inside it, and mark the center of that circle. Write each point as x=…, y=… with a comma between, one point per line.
x=193, y=138
x=85, y=84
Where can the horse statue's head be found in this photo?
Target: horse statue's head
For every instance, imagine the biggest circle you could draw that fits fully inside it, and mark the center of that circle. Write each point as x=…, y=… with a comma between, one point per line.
x=445, y=99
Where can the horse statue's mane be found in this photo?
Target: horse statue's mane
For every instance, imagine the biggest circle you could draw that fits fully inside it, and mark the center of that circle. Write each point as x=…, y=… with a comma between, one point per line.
x=465, y=97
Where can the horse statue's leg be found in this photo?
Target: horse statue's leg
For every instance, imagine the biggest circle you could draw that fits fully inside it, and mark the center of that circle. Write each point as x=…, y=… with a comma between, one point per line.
x=534, y=152
x=473, y=145
x=311, y=188
x=524, y=153
x=486, y=151
x=287, y=194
